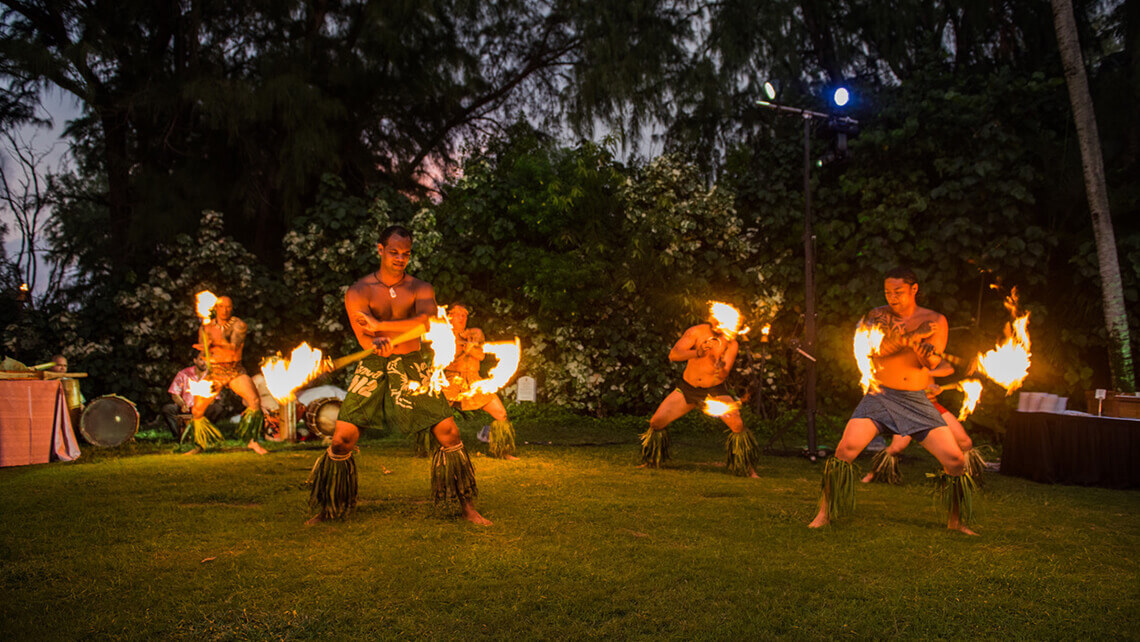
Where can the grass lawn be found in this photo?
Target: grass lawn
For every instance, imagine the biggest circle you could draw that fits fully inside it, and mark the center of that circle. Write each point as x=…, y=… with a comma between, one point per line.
x=139, y=544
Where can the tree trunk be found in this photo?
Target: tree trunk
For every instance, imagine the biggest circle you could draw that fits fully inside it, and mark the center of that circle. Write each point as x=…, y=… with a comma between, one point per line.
x=1115, y=316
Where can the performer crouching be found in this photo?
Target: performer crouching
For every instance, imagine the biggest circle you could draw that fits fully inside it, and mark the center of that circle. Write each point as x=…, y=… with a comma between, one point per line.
x=225, y=339
x=391, y=388
x=463, y=371
x=913, y=338
x=709, y=354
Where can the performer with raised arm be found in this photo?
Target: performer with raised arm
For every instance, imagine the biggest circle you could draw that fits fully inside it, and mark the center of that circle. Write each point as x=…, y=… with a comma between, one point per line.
x=390, y=389
x=225, y=338
x=709, y=352
x=914, y=337
x=464, y=371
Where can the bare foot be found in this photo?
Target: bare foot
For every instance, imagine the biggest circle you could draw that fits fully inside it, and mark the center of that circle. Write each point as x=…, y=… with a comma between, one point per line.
x=314, y=520
x=961, y=528
x=193, y=451
x=752, y=473
x=867, y=478
x=473, y=516
x=511, y=458
x=646, y=465
x=256, y=447
x=820, y=520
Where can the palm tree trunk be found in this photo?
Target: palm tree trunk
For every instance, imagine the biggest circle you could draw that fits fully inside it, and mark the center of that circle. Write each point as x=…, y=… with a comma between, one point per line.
x=1115, y=316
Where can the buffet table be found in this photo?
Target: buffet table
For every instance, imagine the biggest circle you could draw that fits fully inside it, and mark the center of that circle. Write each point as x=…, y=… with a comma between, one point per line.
x=35, y=426
x=1072, y=448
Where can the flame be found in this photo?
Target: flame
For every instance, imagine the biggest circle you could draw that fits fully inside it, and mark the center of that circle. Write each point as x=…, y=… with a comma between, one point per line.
x=972, y=388
x=1008, y=363
x=283, y=376
x=202, y=388
x=728, y=318
x=765, y=331
x=866, y=344
x=443, y=347
x=509, y=354
x=205, y=301
x=716, y=408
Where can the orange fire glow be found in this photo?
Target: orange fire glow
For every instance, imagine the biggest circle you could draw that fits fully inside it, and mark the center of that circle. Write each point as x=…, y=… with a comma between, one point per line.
x=728, y=318
x=205, y=301
x=202, y=388
x=283, y=376
x=972, y=388
x=868, y=339
x=716, y=408
x=509, y=354
x=1008, y=363
x=443, y=347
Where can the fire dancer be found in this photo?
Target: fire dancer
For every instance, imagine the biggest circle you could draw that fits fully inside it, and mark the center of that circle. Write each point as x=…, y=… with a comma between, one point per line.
x=464, y=371
x=223, y=340
x=709, y=351
x=914, y=337
x=391, y=388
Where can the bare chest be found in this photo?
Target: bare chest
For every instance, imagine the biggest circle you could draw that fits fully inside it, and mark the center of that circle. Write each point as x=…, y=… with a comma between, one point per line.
x=391, y=303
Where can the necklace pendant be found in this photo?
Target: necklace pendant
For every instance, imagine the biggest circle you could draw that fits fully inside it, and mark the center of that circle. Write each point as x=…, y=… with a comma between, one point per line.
x=392, y=292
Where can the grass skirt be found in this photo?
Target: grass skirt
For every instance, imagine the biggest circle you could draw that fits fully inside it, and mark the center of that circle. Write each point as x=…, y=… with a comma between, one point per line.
x=334, y=485
x=251, y=426
x=202, y=433
x=975, y=464
x=885, y=468
x=838, y=487
x=956, y=491
x=424, y=442
x=502, y=439
x=743, y=453
x=655, y=447
x=453, y=475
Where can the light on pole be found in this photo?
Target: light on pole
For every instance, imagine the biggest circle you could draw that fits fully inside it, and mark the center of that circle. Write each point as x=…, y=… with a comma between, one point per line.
x=808, y=348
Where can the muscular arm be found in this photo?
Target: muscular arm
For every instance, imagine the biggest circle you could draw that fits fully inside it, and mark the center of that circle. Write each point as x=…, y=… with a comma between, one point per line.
x=367, y=327
x=928, y=338
x=686, y=347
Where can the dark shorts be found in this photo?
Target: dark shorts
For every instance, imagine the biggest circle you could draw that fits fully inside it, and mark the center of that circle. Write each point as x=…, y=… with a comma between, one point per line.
x=393, y=393
x=900, y=412
x=221, y=374
x=694, y=395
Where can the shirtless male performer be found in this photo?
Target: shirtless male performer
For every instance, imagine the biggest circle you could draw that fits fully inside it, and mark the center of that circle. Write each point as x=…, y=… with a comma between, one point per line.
x=464, y=371
x=391, y=388
x=709, y=354
x=226, y=337
x=914, y=337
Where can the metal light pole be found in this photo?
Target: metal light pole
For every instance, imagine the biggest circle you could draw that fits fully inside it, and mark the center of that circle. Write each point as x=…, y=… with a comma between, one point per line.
x=808, y=349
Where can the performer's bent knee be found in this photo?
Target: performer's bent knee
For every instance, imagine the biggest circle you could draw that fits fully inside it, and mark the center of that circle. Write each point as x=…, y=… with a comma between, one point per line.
x=955, y=464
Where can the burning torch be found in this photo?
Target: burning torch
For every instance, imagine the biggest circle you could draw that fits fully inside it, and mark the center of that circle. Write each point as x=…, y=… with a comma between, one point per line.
x=205, y=302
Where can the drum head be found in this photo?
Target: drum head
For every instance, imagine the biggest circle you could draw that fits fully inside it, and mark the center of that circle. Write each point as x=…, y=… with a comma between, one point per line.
x=321, y=414
x=109, y=421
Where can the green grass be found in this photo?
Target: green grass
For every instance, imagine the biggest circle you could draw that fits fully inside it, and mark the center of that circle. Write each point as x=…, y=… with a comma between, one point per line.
x=584, y=545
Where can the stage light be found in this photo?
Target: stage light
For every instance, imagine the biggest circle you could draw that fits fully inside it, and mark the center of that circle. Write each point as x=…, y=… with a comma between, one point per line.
x=841, y=97
x=770, y=90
